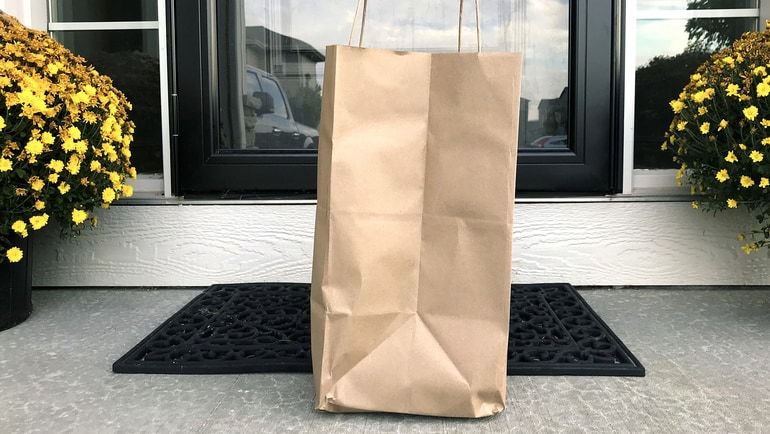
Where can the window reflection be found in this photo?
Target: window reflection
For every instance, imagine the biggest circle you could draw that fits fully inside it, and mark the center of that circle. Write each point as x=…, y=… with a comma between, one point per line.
x=270, y=57
x=668, y=51
x=131, y=59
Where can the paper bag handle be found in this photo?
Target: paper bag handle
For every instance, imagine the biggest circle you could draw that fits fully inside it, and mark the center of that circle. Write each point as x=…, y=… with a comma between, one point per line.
x=459, y=25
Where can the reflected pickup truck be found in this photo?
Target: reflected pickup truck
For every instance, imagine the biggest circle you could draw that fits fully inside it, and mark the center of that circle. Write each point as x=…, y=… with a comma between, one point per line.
x=268, y=115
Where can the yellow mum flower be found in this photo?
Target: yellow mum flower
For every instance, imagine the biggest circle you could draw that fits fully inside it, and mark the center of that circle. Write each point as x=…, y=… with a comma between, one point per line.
x=74, y=132
x=742, y=146
x=764, y=182
x=728, y=61
x=47, y=138
x=95, y=166
x=56, y=165
x=677, y=106
x=702, y=110
x=39, y=205
x=132, y=172
x=73, y=165
x=759, y=71
x=766, y=141
x=89, y=117
x=695, y=77
x=705, y=127
x=2, y=123
x=746, y=181
x=722, y=125
x=64, y=188
x=53, y=68
x=680, y=174
x=699, y=97
x=14, y=254
x=731, y=158
x=722, y=175
x=79, y=216
x=34, y=147
x=53, y=178
x=749, y=248
x=751, y=112
x=80, y=97
x=36, y=183
x=108, y=195
x=695, y=205
x=81, y=146
x=732, y=203
x=114, y=177
x=38, y=221
x=756, y=156
x=20, y=228
x=127, y=190
x=765, y=123
x=681, y=125
x=5, y=164
x=732, y=89
x=763, y=89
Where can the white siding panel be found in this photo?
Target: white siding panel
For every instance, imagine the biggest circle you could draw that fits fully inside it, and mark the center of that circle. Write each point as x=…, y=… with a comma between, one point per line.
x=620, y=243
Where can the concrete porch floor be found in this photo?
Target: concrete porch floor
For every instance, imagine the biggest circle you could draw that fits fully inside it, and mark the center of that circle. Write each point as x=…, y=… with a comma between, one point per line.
x=706, y=354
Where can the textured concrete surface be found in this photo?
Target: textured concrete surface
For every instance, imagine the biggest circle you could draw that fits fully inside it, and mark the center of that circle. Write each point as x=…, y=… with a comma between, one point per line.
x=706, y=354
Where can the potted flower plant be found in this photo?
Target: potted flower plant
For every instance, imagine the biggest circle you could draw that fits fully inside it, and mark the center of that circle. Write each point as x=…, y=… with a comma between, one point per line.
x=64, y=150
x=720, y=134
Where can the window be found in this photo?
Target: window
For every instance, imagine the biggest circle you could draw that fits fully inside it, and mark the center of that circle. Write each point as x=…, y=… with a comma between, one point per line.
x=673, y=37
x=276, y=104
x=121, y=40
x=249, y=118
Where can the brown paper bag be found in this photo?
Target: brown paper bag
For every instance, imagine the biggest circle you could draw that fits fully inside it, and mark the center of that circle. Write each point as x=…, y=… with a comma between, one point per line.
x=412, y=258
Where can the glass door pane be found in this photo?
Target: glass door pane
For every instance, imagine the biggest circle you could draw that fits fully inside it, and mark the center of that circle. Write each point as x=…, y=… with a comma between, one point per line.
x=667, y=52
x=270, y=60
x=65, y=11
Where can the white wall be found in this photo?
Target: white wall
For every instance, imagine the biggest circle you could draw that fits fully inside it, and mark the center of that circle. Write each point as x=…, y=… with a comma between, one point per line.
x=31, y=13
x=609, y=243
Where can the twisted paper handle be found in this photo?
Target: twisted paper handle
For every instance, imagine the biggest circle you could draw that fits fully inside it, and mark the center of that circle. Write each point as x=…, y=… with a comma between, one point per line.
x=459, y=25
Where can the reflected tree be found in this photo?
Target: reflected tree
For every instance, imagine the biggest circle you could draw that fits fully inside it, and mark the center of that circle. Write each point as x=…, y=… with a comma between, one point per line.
x=661, y=81
x=306, y=105
x=664, y=77
x=711, y=34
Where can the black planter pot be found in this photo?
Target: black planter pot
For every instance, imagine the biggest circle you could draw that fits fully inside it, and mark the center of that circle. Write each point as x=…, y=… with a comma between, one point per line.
x=16, y=288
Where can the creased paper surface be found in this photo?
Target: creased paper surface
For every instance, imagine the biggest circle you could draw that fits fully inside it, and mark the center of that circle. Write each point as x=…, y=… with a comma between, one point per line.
x=411, y=280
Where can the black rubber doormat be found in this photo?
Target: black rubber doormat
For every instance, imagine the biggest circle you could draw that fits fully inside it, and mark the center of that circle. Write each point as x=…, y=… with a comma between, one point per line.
x=265, y=327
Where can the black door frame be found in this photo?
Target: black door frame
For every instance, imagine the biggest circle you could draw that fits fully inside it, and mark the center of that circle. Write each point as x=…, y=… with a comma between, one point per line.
x=593, y=166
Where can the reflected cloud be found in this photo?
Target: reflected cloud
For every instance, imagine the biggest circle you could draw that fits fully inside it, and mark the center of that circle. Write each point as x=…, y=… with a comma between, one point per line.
x=538, y=28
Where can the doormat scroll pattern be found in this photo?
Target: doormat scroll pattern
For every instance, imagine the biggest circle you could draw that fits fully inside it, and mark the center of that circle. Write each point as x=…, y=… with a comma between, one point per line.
x=265, y=327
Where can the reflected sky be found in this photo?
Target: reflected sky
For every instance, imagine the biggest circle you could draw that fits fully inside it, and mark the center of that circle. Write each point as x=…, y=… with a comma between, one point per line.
x=669, y=38
x=539, y=28
x=659, y=38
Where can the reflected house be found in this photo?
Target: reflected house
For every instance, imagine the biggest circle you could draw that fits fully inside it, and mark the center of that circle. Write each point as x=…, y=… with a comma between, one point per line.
x=292, y=60
x=550, y=128
x=257, y=56
x=553, y=114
